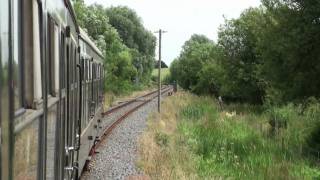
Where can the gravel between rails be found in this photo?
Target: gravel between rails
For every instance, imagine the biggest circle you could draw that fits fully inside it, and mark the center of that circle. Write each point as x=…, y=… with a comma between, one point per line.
x=118, y=153
x=112, y=117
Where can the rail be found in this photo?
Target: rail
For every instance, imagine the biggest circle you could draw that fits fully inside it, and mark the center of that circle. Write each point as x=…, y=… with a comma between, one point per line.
x=115, y=123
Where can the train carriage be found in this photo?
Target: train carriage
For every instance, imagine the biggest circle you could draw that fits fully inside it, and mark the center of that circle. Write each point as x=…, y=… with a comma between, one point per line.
x=92, y=97
x=51, y=78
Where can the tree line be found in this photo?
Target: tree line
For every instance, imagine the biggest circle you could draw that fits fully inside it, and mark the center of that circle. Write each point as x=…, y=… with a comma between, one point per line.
x=269, y=54
x=128, y=47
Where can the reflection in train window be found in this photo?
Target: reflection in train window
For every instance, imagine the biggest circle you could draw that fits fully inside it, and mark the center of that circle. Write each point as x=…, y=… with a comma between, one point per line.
x=51, y=139
x=25, y=152
x=16, y=55
x=62, y=62
x=53, y=64
x=75, y=65
x=70, y=64
x=4, y=94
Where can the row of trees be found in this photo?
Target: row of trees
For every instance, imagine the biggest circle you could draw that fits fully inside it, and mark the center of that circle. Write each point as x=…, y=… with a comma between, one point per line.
x=128, y=47
x=270, y=53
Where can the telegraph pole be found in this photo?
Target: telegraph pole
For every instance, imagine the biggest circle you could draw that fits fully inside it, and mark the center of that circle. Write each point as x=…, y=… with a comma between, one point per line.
x=159, y=70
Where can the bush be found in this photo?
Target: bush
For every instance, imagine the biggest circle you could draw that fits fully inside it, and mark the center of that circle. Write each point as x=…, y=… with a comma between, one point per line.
x=121, y=86
x=199, y=110
x=162, y=139
x=312, y=114
x=279, y=117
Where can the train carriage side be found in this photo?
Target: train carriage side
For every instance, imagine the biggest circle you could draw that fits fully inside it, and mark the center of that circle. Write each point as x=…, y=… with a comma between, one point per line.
x=39, y=89
x=92, y=78
x=63, y=30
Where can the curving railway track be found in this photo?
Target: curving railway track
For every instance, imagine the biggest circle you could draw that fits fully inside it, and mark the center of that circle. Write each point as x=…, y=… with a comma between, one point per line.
x=116, y=115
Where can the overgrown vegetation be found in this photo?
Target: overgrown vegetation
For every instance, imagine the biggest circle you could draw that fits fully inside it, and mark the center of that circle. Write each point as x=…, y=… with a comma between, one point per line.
x=165, y=75
x=195, y=140
x=127, y=46
x=269, y=53
x=267, y=57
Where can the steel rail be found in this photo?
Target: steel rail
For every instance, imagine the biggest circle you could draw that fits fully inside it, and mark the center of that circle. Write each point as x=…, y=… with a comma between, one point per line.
x=129, y=102
x=109, y=129
x=114, y=124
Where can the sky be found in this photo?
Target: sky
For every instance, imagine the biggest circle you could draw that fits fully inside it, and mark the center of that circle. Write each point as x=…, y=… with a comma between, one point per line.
x=182, y=18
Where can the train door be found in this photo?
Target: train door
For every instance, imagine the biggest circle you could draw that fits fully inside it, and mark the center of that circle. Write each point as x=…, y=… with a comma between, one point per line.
x=93, y=103
x=62, y=107
x=77, y=107
x=65, y=131
x=68, y=121
x=53, y=120
x=90, y=103
x=72, y=110
x=80, y=112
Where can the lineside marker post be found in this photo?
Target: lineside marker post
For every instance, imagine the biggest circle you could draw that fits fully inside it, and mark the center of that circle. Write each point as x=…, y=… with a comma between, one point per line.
x=159, y=70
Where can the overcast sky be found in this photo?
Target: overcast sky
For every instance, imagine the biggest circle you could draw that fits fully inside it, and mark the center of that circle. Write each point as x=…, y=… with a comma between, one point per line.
x=182, y=18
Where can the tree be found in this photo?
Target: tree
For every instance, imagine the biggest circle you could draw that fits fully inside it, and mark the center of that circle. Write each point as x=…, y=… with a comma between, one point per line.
x=196, y=54
x=238, y=39
x=126, y=57
x=135, y=37
x=290, y=47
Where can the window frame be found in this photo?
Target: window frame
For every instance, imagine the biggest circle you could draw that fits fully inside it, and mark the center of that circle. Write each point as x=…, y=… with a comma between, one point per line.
x=53, y=73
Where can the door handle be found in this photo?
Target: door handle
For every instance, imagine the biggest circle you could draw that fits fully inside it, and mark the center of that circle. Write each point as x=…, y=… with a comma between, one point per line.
x=69, y=149
x=74, y=170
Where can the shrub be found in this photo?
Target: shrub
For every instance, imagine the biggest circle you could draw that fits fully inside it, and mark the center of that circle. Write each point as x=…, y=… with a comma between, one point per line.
x=312, y=114
x=162, y=139
x=279, y=116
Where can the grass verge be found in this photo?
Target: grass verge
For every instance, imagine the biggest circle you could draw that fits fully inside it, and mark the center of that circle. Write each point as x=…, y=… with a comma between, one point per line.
x=193, y=139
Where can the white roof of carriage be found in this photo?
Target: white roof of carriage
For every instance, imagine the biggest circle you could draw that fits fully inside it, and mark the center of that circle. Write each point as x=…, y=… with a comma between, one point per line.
x=88, y=40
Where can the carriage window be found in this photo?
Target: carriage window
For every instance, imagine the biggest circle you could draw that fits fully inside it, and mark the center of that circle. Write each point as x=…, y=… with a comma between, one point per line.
x=53, y=64
x=87, y=70
x=3, y=59
x=56, y=60
x=83, y=68
x=66, y=73
x=102, y=72
x=75, y=64
x=70, y=64
x=99, y=75
x=97, y=71
x=93, y=72
x=62, y=61
x=16, y=55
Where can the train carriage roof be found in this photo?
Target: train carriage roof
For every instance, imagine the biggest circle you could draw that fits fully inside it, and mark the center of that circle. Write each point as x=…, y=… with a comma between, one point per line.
x=88, y=41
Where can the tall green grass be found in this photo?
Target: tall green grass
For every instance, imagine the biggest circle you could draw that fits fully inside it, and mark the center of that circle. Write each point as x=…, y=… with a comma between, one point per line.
x=165, y=73
x=245, y=146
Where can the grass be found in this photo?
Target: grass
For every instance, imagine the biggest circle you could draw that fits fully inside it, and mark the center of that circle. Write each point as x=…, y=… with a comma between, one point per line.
x=165, y=72
x=193, y=139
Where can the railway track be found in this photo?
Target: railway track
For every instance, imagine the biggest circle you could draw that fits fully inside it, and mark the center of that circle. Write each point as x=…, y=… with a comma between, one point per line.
x=114, y=116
